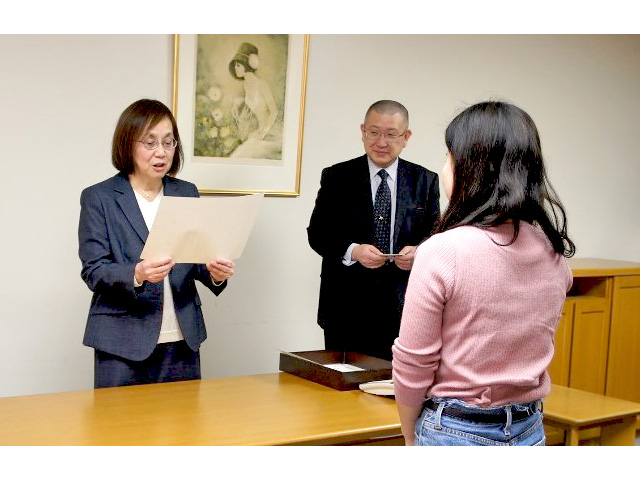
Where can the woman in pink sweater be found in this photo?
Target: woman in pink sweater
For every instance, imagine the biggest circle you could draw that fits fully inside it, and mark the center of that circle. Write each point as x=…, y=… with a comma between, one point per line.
x=486, y=292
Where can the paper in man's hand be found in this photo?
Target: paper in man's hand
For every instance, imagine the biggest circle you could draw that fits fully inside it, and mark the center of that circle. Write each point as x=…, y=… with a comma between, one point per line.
x=197, y=230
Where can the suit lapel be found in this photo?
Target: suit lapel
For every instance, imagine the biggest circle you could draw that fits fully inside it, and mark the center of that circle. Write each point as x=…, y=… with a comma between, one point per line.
x=126, y=199
x=362, y=189
x=401, y=200
x=171, y=187
x=363, y=203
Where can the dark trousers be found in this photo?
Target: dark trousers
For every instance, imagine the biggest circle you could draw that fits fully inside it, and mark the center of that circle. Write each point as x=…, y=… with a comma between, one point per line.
x=367, y=320
x=169, y=362
x=369, y=342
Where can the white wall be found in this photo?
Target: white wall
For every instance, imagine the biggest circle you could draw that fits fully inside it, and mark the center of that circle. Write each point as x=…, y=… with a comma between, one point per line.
x=60, y=97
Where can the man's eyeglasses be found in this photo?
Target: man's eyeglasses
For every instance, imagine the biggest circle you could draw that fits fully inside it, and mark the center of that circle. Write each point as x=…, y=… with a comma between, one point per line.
x=152, y=144
x=389, y=137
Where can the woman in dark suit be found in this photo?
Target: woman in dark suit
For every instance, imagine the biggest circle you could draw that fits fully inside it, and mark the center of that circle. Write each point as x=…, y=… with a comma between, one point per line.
x=145, y=321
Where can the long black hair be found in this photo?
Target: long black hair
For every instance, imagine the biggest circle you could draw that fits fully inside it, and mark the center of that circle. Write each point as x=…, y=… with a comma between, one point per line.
x=499, y=174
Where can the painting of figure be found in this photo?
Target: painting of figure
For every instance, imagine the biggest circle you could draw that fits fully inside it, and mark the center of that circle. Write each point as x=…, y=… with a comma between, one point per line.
x=240, y=95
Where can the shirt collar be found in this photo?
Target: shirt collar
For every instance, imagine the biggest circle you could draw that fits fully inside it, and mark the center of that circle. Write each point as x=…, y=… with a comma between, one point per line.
x=392, y=169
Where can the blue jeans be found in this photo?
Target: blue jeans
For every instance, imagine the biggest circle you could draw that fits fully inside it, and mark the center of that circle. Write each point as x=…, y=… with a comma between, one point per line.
x=436, y=428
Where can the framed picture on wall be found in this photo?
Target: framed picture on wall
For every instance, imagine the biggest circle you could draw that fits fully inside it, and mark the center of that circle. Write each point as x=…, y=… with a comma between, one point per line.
x=239, y=102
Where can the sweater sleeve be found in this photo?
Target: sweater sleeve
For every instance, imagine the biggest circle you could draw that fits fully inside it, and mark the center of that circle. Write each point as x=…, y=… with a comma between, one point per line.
x=416, y=352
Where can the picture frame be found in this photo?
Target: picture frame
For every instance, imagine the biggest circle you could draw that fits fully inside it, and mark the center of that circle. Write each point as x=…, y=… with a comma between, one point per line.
x=225, y=88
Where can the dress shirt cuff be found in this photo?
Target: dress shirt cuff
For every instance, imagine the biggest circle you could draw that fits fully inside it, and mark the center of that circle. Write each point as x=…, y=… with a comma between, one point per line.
x=346, y=259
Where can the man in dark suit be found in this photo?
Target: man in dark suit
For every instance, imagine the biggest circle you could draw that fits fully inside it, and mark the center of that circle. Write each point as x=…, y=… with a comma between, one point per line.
x=361, y=216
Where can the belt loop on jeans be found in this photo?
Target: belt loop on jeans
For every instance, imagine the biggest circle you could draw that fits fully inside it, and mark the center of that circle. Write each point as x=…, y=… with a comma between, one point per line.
x=438, y=425
x=507, y=425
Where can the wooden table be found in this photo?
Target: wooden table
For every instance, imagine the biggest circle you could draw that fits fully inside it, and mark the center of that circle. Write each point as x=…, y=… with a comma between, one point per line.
x=271, y=409
x=575, y=410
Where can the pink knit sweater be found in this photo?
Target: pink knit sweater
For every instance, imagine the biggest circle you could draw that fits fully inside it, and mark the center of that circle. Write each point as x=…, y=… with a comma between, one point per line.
x=479, y=318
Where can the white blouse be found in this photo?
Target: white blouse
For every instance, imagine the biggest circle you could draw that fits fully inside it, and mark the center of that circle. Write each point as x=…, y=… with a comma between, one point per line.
x=170, y=329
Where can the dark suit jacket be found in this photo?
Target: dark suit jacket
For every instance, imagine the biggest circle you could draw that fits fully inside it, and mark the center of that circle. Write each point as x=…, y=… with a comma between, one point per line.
x=124, y=320
x=363, y=304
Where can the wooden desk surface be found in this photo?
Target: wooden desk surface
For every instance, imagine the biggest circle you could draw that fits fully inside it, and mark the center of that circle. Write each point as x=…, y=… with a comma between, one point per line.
x=271, y=409
x=577, y=407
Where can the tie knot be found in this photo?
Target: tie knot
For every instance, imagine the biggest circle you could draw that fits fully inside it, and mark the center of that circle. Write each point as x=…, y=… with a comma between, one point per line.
x=383, y=174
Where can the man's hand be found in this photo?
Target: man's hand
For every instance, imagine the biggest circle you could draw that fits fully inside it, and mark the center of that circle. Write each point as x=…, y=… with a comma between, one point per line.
x=405, y=260
x=368, y=256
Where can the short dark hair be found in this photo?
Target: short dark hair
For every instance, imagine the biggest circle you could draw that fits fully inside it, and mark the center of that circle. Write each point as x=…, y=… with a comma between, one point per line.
x=136, y=119
x=499, y=174
x=247, y=56
x=244, y=63
x=389, y=107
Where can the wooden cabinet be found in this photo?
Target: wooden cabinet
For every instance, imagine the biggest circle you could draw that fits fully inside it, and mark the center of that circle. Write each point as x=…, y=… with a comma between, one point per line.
x=597, y=343
x=623, y=368
x=560, y=367
x=590, y=343
x=598, y=338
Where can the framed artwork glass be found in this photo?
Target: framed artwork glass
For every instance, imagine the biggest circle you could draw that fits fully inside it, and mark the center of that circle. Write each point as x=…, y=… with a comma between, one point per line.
x=239, y=102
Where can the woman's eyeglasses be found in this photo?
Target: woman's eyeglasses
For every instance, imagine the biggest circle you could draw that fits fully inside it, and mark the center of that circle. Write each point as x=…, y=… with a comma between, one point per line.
x=152, y=144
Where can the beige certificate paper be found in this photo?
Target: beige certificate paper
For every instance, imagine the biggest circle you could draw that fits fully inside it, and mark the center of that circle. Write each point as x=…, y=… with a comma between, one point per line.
x=197, y=230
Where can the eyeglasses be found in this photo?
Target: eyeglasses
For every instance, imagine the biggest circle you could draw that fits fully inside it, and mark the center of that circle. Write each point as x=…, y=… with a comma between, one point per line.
x=152, y=144
x=389, y=137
